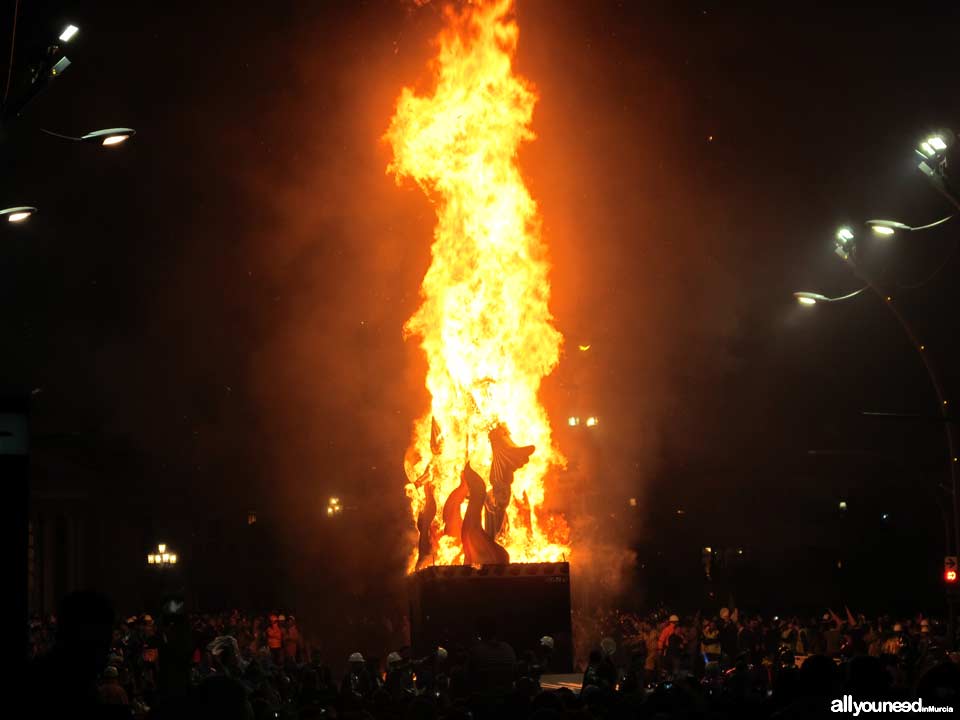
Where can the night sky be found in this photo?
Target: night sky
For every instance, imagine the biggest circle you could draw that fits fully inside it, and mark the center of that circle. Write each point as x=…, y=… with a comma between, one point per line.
x=209, y=316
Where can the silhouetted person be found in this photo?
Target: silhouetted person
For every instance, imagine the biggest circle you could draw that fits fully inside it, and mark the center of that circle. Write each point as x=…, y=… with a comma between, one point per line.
x=492, y=665
x=222, y=695
x=64, y=682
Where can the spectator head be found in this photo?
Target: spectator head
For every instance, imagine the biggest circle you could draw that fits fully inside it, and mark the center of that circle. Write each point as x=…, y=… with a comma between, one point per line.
x=486, y=627
x=724, y=614
x=546, y=642
x=608, y=646
x=817, y=676
x=111, y=674
x=673, y=620
x=356, y=661
x=226, y=653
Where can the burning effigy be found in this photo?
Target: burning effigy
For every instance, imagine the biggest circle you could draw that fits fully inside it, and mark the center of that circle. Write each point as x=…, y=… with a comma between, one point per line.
x=484, y=322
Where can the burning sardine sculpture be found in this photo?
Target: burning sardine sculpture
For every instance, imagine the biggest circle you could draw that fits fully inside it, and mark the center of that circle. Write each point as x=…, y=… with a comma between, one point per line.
x=486, y=512
x=506, y=458
x=479, y=548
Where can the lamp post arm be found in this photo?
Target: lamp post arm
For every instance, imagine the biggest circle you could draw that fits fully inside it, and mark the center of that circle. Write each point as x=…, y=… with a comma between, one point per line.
x=937, y=383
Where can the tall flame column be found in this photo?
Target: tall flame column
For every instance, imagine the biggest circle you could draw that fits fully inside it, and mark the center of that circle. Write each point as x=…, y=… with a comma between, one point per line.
x=484, y=322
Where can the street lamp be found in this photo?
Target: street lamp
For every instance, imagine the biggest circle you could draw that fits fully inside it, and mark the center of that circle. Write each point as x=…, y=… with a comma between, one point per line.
x=68, y=32
x=162, y=558
x=933, y=152
x=935, y=146
x=106, y=137
x=889, y=227
x=334, y=507
x=18, y=214
x=809, y=299
x=845, y=248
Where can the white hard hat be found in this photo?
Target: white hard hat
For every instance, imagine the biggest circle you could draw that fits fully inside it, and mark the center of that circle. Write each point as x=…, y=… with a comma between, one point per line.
x=355, y=657
x=547, y=641
x=674, y=619
x=442, y=653
x=394, y=657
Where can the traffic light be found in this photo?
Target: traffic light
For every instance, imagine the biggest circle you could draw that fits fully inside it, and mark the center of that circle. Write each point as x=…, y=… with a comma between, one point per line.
x=950, y=570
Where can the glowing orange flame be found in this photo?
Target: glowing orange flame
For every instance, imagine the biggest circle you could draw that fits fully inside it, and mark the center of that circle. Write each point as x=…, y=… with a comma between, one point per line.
x=484, y=323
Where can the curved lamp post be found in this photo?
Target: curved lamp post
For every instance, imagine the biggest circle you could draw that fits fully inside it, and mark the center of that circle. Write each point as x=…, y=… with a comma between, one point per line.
x=846, y=249
x=809, y=299
x=106, y=137
x=889, y=227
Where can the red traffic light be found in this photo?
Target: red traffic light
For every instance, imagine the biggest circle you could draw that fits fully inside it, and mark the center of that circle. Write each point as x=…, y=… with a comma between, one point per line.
x=950, y=576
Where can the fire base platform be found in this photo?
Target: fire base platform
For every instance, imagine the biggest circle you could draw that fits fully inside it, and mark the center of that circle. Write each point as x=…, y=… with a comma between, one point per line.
x=527, y=601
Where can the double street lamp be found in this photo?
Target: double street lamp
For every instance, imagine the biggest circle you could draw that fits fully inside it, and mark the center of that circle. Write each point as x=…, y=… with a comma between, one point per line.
x=846, y=248
x=52, y=66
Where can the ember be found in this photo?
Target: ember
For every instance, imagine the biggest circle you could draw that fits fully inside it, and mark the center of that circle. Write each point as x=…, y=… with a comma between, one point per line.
x=484, y=322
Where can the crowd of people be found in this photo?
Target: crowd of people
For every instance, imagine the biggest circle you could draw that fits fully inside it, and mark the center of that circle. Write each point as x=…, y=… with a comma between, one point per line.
x=239, y=665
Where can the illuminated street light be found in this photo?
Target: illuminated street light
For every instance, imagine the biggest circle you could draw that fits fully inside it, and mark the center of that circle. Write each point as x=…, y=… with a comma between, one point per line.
x=68, y=33
x=935, y=144
x=573, y=421
x=110, y=136
x=842, y=505
x=334, y=507
x=162, y=558
x=18, y=214
x=845, y=243
x=592, y=421
x=809, y=299
x=106, y=137
x=888, y=227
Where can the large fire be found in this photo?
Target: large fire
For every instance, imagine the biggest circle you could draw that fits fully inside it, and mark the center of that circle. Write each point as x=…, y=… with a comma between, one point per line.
x=484, y=323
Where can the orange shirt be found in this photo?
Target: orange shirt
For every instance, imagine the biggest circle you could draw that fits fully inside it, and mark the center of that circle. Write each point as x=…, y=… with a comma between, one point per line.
x=274, y=637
